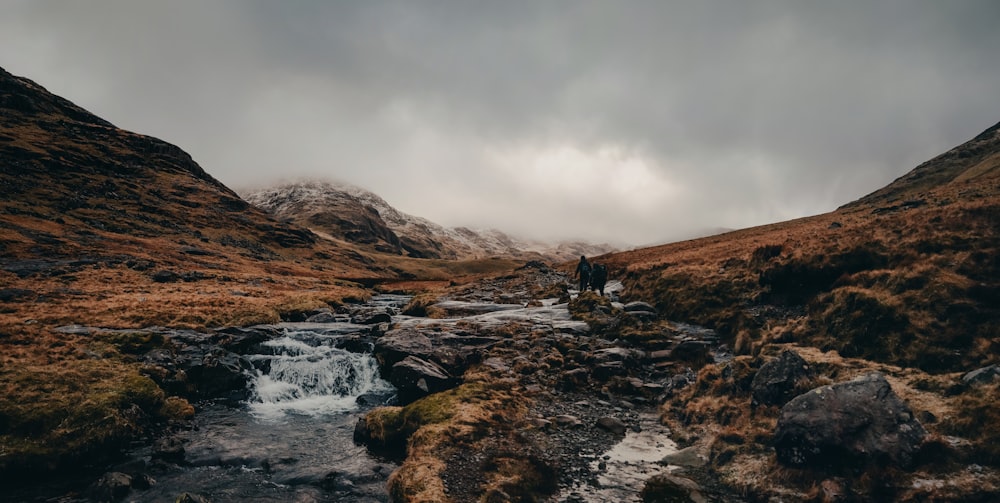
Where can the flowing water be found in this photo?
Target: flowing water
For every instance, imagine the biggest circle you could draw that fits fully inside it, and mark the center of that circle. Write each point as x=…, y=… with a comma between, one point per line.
x=293, y=439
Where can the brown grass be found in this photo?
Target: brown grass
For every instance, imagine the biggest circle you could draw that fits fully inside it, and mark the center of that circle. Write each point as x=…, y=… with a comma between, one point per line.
x=909, y=286
x=469, y=418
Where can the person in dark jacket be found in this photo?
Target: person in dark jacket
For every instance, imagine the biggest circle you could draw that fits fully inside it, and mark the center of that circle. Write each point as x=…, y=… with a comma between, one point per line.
x=598, y=277
x=583, y=270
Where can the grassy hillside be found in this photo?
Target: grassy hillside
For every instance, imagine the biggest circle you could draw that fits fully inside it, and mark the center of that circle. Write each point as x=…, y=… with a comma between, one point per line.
x=906, y=276
x=903, y=282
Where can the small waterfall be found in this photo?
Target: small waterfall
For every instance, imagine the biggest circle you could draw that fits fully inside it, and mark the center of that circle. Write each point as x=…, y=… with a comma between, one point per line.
x=307, y=375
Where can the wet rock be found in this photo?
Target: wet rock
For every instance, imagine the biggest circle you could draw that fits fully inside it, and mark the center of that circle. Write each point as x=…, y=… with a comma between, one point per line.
x=113, y=486
x=241, y=340
x=220, y=374
x=396, y=345
x=170, y=449
x=694, y=456
x=984, y=375
x=415, y=378
x=567, y=421
x=376, y=399
x=322, y=317
x=372, y=318
x=775, y=382
x=612, y=424
x=357, y=343
x=456, y=308
x=453, y=353
x=667, y=488
x=847, y=426
x=632, y=307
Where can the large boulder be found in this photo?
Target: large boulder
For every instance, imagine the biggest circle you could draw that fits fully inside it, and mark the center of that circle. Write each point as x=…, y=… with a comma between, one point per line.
x=670, y=488
x=396, y=345
x=415, y=378
x=776, y=381
x=984, y=375
x=848, y=426
x=218, y=374
x=453, y=353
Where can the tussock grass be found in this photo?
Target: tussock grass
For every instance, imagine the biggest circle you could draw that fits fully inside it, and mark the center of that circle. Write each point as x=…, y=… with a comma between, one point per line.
x=465, y=418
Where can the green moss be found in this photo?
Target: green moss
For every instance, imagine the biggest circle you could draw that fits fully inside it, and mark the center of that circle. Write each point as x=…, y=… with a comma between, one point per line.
x=61, y=413
x=392, y=426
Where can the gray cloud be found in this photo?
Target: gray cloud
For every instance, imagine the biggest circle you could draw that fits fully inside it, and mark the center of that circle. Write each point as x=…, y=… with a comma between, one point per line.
x=635, y=122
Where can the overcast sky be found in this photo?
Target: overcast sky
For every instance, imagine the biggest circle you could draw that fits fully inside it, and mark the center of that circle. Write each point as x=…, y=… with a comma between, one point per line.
x=630, y=122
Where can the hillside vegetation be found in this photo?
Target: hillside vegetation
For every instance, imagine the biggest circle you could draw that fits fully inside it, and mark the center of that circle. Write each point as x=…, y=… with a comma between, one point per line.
x=903, y=281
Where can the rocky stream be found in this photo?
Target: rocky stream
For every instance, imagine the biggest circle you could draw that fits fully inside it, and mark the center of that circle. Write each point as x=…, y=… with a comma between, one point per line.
x=278, y=405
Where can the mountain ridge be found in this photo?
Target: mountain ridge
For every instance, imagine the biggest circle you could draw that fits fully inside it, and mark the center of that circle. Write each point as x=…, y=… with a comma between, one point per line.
x=366, y=218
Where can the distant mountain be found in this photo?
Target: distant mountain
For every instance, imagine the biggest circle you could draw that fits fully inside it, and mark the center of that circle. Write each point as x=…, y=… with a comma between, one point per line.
x=345, y=212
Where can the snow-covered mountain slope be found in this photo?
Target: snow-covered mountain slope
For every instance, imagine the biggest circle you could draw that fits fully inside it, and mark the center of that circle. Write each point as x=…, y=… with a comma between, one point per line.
x=350, y=213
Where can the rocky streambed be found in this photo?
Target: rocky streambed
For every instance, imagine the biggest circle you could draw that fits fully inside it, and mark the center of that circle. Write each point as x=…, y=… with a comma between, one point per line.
x=278, y=406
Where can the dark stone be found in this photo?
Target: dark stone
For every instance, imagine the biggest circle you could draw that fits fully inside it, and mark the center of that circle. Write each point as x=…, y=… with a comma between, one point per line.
x=984, y=375
x=612, y=424
x=692, y=352
x=113, y=486
x=775, y=382
x=169, y=449
x=376, y=399
x=454, y=353
x=166, y=276
x=639, y=306
x=322, y=317
x=219, y=375
x=667, y=488
x=372, y=318
x=356, y=343
x=848, y=426
x=416, y=378
x=396, y=345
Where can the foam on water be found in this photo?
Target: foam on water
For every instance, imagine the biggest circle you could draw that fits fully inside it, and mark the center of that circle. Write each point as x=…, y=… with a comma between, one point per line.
x=300, y=378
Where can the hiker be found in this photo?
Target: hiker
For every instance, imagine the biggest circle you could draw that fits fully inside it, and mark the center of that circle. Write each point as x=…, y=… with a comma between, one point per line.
x=598, y=277
x=583, y=269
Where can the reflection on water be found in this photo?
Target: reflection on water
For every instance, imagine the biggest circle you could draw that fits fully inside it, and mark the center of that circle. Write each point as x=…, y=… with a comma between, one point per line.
x=293, y=441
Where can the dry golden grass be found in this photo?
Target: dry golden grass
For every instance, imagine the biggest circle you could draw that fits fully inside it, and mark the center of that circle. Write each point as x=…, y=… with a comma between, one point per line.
x=466, y=418
x=909, y=286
